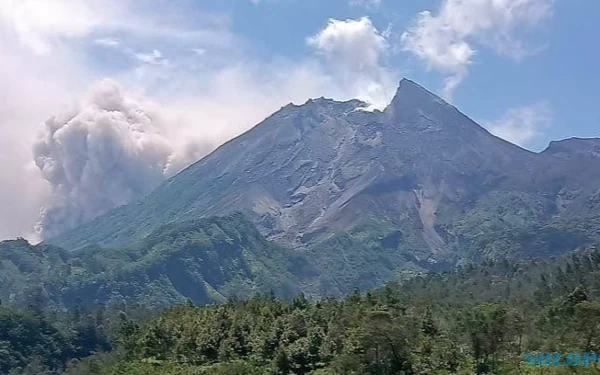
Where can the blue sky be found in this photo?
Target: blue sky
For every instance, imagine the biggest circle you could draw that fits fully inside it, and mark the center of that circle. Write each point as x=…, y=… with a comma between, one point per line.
x=563, y=73
x=149, y=86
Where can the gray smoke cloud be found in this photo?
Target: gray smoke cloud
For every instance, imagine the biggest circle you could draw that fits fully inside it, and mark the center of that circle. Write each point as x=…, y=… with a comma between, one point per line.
x=108, y=151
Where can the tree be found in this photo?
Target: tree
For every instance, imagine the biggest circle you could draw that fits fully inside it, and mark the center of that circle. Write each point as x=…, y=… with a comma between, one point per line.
x=281, y=363
x=428, y=326
x=386, y=341
x=587, y=324
x=487, y=326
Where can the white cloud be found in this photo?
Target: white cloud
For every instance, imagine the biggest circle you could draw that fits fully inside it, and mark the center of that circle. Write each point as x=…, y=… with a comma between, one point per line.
x=154, y=58
x=45, y=25
x=522, y=125
x=446, y=41
x=355, y=43
x=39, y=24
x=354, y=49
x=107, y=42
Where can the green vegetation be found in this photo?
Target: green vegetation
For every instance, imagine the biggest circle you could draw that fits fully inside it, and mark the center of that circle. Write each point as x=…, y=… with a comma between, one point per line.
x=33, y=341
x=473, y=320
x=239, y=304
x=206, y=260
x=466, y=321
x=211, y=260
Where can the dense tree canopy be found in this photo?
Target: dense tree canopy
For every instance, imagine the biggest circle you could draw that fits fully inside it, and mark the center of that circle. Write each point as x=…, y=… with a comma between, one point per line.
x=478, y=319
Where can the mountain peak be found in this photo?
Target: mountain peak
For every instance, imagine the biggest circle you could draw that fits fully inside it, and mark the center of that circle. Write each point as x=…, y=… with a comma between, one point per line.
x=406, y=83
x=411, y=94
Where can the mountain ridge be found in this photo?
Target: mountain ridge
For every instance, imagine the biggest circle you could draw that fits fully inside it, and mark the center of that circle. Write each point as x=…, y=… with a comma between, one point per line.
x=575, y=146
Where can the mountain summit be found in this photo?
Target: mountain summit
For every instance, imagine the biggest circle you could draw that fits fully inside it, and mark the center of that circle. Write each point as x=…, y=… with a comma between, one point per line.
x=418, y=182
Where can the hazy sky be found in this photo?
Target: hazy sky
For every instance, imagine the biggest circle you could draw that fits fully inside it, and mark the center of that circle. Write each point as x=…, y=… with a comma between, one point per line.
x=100, y=100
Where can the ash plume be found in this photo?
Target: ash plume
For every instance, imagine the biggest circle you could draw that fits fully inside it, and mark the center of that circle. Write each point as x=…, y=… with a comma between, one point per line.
x=108, y=151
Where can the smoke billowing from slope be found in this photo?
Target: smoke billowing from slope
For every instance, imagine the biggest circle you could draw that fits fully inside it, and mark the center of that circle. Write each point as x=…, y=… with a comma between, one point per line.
x=105, y=153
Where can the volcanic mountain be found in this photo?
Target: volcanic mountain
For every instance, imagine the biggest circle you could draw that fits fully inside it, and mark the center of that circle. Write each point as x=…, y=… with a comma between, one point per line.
x=417, y=183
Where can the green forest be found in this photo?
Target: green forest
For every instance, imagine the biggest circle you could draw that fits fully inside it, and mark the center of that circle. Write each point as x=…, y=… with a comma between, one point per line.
x=476, y=319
